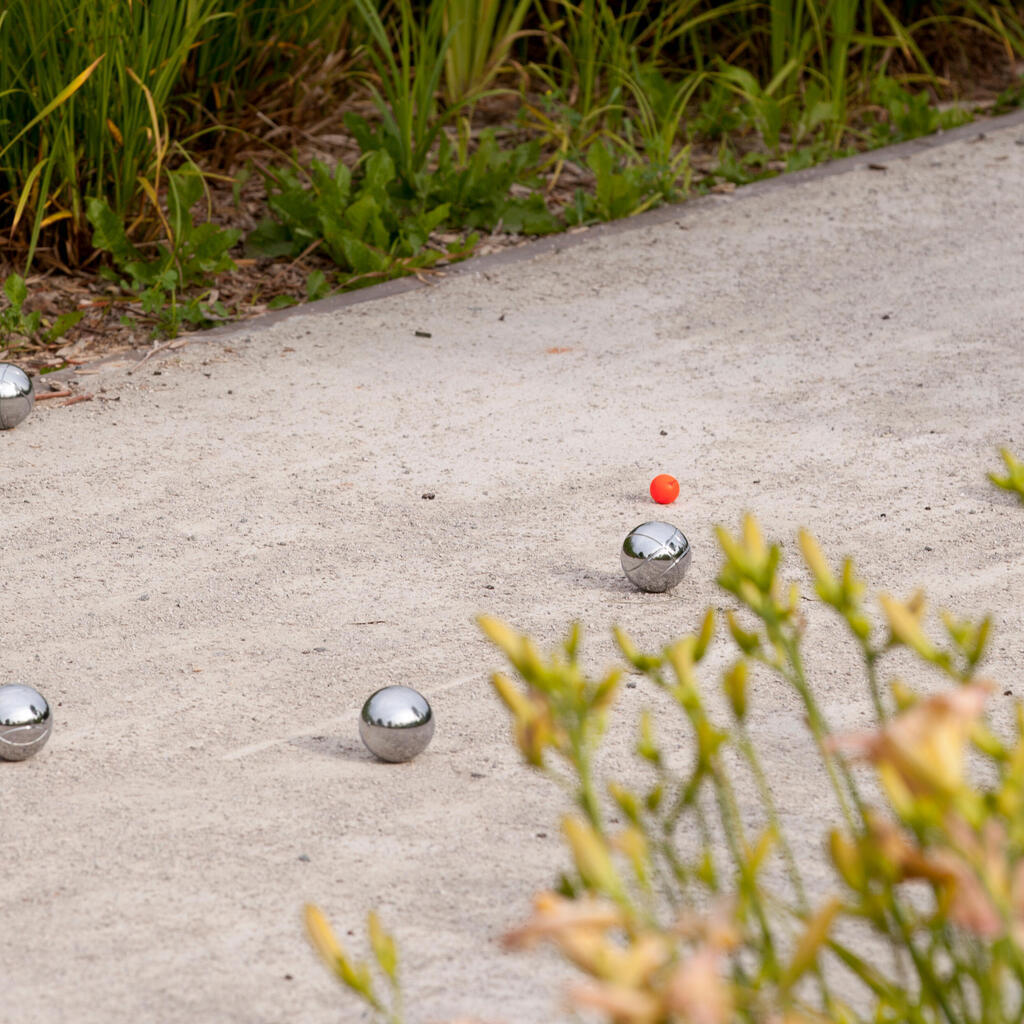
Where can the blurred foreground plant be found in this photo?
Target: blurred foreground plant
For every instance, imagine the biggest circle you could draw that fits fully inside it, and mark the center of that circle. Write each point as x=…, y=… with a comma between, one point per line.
x=685, y=904
x=1014, y=479
x=356, y=975
x=693, y=910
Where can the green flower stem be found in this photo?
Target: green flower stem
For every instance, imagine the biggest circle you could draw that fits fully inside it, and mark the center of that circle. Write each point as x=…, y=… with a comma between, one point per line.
x=821, y=732
x=679, y=873
x=586, y=794
x=736, y=841
x=749, y=751
x=665, y=847
x=707, y=845
x=871, y=657
x=931, y=983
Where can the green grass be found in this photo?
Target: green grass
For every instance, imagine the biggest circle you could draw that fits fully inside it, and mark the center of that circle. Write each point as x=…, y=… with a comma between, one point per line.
x=108, y=138
x=255, y=45
x=480, y=35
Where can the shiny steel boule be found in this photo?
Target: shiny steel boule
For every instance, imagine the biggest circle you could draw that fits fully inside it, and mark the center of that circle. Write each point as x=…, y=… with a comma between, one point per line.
x=25, y=722
x=655, y=556
x=17, y=395
x=396, y=723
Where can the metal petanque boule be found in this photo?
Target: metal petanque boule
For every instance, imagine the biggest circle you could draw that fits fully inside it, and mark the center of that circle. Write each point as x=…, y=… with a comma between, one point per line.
x=25, y=722
x=396, y=723
x=655, y=556
x=17, y=395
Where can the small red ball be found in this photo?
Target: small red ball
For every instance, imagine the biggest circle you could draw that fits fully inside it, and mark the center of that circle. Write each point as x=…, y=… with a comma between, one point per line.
x=664, y=489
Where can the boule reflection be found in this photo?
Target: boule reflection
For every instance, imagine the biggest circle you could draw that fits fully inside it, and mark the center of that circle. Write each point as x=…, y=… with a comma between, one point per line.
x=17, y=395
x=396, y=723
x=25, y=722
x=655, y=556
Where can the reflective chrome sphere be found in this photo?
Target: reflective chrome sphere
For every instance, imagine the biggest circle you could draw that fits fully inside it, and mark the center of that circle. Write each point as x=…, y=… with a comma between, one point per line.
x=396, y=723
x=17, y=396
x=25, y=722
x=655, y=556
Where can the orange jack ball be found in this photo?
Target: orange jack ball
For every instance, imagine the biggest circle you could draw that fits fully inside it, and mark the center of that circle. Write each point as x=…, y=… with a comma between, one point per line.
x=664, y=489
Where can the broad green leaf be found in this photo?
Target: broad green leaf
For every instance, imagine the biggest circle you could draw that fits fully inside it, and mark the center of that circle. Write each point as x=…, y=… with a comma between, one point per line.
x=16, y=291
x=317, y=286
x=271, y=239
x=184, y=190
x=380, y=170
x=361, y=258
x=528, y=216
x=108, y=231
x=63, y=324
x=358, y=215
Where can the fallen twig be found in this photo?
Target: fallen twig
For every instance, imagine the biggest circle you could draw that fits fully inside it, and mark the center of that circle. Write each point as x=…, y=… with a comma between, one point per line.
x=42, y=396
x=77, y=398
x=177, y=343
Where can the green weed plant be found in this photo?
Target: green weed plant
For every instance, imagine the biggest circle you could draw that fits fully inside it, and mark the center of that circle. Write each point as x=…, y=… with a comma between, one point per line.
x=354, y=220
x=908, y=115
x=191, y=256
x=477, y=187
x=624, y=188
x=374, y=226
x=19, y=327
